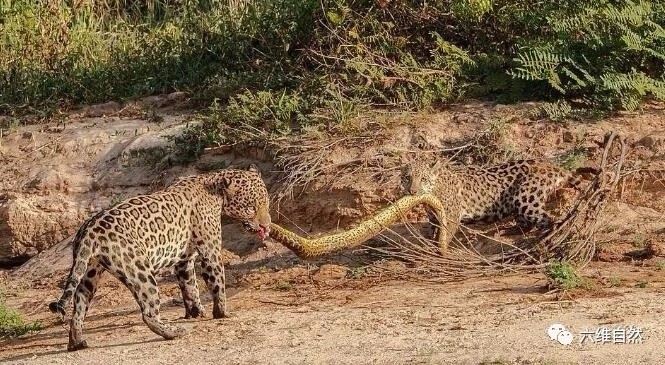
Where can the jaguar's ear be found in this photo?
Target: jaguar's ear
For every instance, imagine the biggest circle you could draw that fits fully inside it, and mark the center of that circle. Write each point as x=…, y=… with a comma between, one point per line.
x=230, y=186
x=252, y=167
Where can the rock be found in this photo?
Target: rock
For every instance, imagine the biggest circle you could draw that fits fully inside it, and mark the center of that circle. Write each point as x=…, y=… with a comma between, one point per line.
x=647, y=141
x=100, y=110
x=155, y=101
x=568, y=137
x=621, y=219
x=176, y=96
x=330, y=272
x=31, y=224
x=47, y=193
x=52, y=263
x=57, y=178
x=654, y=142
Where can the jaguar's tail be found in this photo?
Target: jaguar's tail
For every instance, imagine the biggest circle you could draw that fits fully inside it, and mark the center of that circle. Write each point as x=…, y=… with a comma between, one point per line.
x=83, y=250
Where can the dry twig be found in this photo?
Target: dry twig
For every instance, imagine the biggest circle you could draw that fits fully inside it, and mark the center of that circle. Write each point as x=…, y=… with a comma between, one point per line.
x=570, y=239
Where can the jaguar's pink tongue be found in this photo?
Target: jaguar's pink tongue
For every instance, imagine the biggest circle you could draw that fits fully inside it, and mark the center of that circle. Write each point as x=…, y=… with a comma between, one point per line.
x=263, y=233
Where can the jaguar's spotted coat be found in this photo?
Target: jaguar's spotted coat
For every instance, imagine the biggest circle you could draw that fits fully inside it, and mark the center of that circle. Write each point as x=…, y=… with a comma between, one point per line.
x=136, y=238
x=517, y=189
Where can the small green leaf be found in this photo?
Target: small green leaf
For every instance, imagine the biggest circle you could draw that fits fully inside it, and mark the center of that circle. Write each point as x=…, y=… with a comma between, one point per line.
x=334, y=17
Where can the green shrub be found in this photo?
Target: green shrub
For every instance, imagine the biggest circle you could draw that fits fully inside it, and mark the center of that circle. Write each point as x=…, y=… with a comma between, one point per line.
x=188, y=146
x=577, y=54
x=59, y=53
x=608, y=53
x=268, y=110
x=284, y=65
x=562, y=275
x=11, y=323
x=573, y=159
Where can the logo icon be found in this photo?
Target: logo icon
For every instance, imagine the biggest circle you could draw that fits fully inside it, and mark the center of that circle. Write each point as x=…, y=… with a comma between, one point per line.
x=559, y=333
x=601, y=335
x=565, y=338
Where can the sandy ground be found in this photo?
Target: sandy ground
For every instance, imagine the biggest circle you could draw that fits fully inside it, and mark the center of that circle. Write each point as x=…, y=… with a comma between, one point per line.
x=341, y=320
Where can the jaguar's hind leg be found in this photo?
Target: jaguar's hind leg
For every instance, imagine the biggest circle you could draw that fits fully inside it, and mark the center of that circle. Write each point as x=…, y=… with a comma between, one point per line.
x=533, y=215
x=530, y=207
x=143, y=286
x=190, y=292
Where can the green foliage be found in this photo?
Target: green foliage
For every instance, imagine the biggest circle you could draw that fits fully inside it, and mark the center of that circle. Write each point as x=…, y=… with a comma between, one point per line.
x=59, y=53
x=573, y=159
x=562, y=275
x=188, y=146
x=372, y=57
x=11, y=323
x=117, y=198
x=281, y=66
x=557, y=111
x=470, y=10
x=608, y=53
x=267, y=110
x=9, y=126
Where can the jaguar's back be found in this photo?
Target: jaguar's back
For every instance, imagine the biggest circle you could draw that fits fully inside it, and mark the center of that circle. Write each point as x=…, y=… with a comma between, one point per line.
x=518, y=188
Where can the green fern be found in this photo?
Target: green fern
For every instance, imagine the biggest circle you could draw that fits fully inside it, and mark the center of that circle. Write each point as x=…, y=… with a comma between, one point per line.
x=537, y=64
x=472, y=10
x=557, y=111
x=596, y=42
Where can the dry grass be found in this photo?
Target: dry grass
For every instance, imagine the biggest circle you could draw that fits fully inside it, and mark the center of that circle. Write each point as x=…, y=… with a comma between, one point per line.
x=303, y=162
x=571, y=239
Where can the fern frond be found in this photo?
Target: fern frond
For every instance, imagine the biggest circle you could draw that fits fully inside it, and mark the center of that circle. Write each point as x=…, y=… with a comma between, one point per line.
x=633, y=13
x=568, y=72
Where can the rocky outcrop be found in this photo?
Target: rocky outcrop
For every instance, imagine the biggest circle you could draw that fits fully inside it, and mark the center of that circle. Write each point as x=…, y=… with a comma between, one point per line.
x=30, y=224
x=53, y=177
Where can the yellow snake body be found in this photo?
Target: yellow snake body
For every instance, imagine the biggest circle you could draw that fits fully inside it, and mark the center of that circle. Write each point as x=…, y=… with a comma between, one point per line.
x=318, y=246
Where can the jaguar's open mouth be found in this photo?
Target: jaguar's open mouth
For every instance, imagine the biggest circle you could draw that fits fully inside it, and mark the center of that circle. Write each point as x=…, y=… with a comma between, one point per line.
x=262, y=231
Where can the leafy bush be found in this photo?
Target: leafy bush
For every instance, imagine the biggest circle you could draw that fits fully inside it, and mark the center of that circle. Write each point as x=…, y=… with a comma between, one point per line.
x=607, y=52
x=283, y=65
x=11, y=323
x=59, y=53
x=562, y=275
x=188, y=146
x=577, y=54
